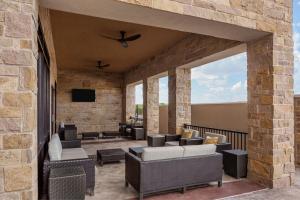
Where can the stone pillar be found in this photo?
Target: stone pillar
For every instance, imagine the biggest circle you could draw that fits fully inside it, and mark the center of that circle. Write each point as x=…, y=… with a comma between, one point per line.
x=297, y=129
x=18, y=112
x=270, y=112
x=151, y=105
x=129, y=101
x=179, y=109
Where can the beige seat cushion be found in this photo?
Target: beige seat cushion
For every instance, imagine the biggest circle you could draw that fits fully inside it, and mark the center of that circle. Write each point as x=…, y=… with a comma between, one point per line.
x=159, y=153
x=221, y=138
x=73, y=153
x=198, y=150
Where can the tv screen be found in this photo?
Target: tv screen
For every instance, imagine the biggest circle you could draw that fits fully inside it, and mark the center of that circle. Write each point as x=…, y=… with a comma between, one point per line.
x=83, y=95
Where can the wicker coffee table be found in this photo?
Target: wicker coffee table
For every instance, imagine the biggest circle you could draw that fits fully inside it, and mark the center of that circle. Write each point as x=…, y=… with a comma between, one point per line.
x=110, y=155
x=67, y=183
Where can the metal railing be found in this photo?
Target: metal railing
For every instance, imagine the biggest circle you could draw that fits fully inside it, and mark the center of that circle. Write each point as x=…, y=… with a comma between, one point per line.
x=237, y=139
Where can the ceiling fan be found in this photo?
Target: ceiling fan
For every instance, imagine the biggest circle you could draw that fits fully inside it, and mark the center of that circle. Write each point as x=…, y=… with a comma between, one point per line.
x=100, y=66
x=124, y=40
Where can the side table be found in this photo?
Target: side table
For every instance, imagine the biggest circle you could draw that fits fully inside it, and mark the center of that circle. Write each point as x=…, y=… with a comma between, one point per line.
x=156, y=140
x=67, y=183
x=235, y=162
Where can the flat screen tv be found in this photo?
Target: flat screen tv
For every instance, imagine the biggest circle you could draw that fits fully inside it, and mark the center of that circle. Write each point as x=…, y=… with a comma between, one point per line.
x=83, y=95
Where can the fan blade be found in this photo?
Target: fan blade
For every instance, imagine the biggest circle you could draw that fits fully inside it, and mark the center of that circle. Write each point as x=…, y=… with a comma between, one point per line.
x=134, y=37
x=124, y=43
x=107, y=65
x=110, y=38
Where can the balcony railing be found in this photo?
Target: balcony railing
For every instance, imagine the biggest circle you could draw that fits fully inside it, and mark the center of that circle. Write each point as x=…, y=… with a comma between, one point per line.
x=237, y=139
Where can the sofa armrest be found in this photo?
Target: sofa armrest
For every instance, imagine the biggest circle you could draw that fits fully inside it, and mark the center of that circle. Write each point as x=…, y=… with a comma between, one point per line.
x=133, y=170
x=191, y=141
x=71, y=144
x=223, y=146
x=171, y=137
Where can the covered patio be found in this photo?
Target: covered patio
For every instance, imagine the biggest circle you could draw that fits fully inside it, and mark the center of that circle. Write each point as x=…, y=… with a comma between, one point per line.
x=71, y=45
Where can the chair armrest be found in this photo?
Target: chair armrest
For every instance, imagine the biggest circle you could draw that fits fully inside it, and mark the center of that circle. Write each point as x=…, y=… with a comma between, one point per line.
x=170, y=137
x=71, y=144
x=223, y=146
x=133, y=170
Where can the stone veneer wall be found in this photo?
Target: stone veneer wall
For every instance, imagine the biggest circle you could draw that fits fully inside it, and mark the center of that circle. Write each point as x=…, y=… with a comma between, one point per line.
x=102, y=115
x=151, y=100
x=297, y=129
x=18, y=131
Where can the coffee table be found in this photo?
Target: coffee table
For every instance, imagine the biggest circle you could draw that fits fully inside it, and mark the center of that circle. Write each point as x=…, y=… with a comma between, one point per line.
x=110, y=155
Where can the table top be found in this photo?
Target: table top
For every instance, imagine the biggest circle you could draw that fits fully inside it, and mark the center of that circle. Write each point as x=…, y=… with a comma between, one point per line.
x=66, y=172
x=117, y=151
x=237, y=152
x=137, y=149
x=156, y=136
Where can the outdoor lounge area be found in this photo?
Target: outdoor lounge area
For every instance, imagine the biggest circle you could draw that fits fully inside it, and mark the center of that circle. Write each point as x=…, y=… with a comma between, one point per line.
x=81, y=115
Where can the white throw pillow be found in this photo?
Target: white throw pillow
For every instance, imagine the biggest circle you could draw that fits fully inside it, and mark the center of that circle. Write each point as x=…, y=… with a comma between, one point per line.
x=55, y=148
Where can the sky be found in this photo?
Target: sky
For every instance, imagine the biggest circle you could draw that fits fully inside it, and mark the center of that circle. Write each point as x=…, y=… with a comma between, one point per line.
x=226, y=80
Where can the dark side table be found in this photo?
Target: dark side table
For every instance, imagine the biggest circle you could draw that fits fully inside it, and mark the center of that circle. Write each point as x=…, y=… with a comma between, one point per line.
x=67, y=183
x=235, y=162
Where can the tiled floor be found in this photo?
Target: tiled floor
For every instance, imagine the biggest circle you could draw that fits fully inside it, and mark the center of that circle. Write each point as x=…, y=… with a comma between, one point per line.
x=110, y=182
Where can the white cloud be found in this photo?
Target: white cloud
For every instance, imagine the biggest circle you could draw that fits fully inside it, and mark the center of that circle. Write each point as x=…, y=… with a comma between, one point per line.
x=236, y=87
x=220, y=81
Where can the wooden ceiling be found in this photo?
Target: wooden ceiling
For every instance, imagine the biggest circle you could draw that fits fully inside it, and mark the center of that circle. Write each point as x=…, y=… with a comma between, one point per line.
x=79, y=44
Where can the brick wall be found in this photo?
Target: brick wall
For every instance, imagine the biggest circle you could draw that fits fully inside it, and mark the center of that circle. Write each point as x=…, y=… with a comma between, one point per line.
x=102, y=115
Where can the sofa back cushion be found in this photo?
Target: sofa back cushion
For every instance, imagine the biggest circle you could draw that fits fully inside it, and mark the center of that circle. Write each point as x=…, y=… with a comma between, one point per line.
x=221, y=138
x=159, y=153
x=199, y=150
x=55, y=148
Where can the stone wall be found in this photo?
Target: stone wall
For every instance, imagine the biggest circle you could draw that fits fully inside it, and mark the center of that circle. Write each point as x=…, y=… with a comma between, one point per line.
x=18, y=130
x=270, y=112
x=102, y=115
x=297, y=129
x=151, y=102
x=179, y=109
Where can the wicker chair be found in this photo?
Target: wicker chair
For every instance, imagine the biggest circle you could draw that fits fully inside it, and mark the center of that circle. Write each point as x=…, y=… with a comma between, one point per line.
x=88, y=165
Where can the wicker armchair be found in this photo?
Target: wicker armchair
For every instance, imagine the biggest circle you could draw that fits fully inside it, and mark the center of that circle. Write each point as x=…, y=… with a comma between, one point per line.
x=88, y=165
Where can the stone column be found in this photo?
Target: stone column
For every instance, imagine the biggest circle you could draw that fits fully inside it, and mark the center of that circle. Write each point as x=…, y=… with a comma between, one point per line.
x=129, y=101
x=18, y=87
x=297, y=129
x=270, y=112
x=151, y=105
x=179, y=109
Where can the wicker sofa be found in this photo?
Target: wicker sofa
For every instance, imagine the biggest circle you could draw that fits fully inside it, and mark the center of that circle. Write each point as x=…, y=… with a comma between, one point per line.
x=71, y=155
x=173, y=167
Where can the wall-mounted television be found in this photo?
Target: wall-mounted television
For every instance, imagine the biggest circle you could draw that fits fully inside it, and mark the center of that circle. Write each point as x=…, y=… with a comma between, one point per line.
x=83, y=95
